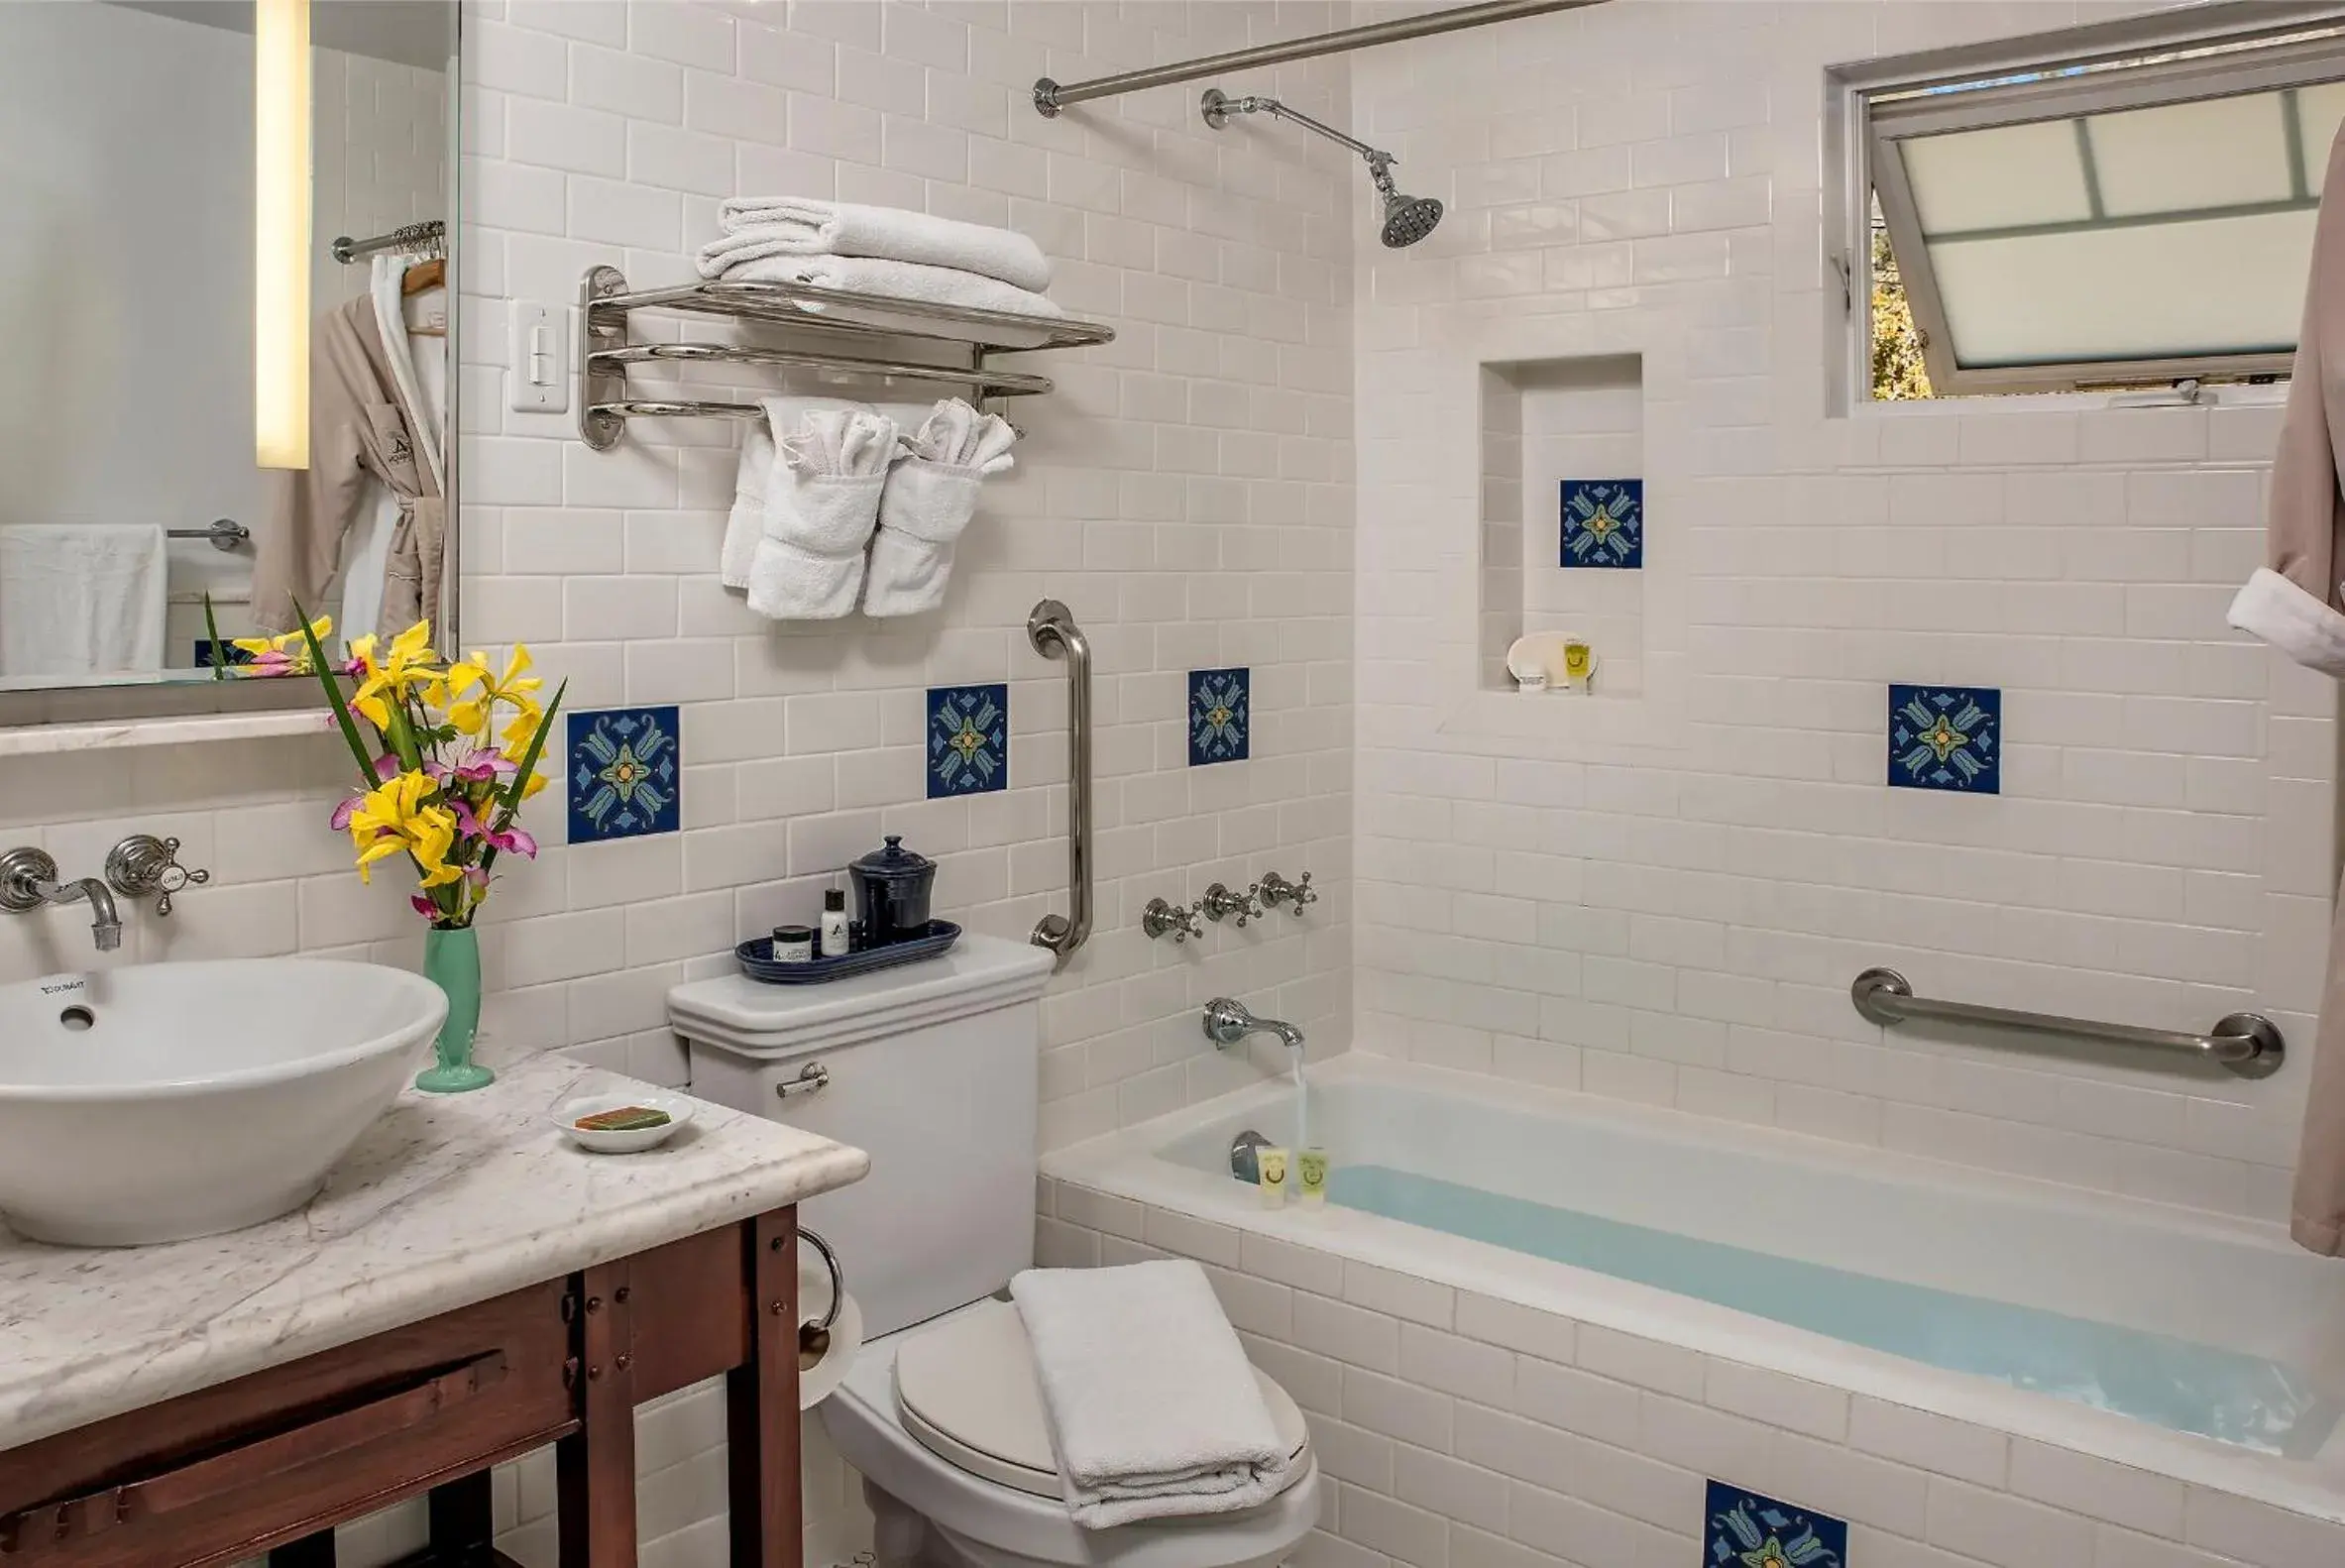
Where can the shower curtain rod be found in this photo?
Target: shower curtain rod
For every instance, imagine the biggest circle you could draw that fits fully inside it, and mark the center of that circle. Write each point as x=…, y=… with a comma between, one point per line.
x=1049, y=97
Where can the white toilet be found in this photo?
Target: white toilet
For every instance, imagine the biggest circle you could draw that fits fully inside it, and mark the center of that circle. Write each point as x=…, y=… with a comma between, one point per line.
x=932, y=1067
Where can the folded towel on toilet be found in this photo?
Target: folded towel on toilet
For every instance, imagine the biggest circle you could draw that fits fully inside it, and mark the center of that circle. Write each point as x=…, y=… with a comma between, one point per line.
x=1154, y=1411
x=757, y=226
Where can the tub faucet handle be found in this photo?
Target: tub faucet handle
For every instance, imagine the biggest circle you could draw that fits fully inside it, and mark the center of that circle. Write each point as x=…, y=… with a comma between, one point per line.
x=1160, y=919
x=1219, y=903
x=1277, y=890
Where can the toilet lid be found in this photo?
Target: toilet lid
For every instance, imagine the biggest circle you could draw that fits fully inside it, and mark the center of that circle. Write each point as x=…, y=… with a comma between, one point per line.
x=966, y=1390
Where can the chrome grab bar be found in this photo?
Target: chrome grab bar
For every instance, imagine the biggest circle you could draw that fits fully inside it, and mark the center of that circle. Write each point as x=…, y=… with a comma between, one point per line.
x=2247, y=1043
x=1054, y=633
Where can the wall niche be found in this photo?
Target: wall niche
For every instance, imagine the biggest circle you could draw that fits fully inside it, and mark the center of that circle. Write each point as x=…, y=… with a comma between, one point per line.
x=1563, y=536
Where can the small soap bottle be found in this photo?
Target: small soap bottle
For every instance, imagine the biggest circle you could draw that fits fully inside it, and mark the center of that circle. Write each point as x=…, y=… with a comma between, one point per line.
x=834, y=940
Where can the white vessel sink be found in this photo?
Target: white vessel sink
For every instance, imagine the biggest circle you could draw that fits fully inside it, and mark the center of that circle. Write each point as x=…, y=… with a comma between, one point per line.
x=161, y=1101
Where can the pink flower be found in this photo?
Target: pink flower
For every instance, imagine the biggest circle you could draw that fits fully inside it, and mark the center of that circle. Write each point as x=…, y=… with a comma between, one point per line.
x=481, y=765
x=513, y=840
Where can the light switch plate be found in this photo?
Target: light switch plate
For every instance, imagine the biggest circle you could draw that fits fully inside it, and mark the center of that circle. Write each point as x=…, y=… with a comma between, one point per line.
x=537, y=362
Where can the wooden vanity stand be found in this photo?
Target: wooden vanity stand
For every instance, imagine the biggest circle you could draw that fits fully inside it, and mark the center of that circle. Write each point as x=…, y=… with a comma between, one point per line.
x=271, y=1462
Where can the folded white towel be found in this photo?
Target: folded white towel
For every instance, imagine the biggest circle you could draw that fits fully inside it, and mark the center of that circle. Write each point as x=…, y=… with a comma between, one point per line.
x=929, y=500
x=865, y=275
x=1154, y=1411
x=757, y=226
x=822, y=503
x=82, y=601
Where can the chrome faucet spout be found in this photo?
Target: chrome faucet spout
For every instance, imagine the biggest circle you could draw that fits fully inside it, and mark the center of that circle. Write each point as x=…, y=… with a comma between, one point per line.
x=29, y=880
x=1227, y=1021
x=105, y=924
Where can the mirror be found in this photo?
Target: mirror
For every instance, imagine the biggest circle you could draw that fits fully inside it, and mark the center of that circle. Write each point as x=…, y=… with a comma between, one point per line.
x=153, y=172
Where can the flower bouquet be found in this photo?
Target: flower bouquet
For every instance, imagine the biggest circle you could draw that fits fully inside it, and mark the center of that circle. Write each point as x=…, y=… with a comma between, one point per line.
x=442, y=784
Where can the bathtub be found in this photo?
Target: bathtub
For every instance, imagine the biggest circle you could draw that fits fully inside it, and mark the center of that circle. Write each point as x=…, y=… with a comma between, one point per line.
x=1941, y=1354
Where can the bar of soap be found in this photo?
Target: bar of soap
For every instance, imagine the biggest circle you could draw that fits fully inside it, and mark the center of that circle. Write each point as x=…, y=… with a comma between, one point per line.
x=625, y=1119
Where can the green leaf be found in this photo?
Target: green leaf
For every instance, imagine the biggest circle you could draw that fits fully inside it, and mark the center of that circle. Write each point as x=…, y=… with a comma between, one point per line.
x=336, y=701
x=211, y=630
x=510, y=806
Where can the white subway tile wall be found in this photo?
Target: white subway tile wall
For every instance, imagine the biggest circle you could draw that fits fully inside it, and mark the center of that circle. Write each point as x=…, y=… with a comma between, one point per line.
x=1675, y=914
x=1186, y=491
x=1508, y=1437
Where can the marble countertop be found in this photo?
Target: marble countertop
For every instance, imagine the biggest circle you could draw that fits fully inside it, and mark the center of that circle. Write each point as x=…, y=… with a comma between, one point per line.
x=444, y=1202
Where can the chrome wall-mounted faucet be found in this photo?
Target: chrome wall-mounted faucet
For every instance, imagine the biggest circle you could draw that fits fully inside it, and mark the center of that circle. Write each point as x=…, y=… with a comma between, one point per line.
x=1227, y=1021
x=1277, y=890
x=1179, y=922
x=29, y=881
x=1219, y=903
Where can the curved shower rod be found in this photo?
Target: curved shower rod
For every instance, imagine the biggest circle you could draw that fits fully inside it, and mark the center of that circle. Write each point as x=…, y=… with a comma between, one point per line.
x=1050, y=96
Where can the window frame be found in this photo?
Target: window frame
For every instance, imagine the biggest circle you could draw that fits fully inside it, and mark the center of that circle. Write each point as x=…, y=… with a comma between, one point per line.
x=1885, y=101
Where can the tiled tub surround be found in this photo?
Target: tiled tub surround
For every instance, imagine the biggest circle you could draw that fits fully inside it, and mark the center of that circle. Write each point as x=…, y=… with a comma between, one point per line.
x=1485, y=1408
x=1665, y=898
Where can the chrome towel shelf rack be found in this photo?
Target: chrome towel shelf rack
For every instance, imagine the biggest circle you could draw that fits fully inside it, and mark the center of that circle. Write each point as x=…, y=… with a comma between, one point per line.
x=829, y=316
x=2247, y=1043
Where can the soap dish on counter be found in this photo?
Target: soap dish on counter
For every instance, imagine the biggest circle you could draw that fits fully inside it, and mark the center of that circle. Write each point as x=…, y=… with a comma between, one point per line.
x=626, y=1140
x=758, y=964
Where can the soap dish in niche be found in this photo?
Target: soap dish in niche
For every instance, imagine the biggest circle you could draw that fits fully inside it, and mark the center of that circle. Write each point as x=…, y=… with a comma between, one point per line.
x=757, y=960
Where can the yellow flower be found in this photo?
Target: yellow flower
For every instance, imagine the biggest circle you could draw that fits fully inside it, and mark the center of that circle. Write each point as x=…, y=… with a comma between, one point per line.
x=407, y=666
x=394, y=818
x=471, y=715
x=284, y=655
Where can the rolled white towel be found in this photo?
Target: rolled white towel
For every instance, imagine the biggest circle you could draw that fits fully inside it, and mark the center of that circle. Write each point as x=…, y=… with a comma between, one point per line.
x=745, y=526
x=1154, y=1411
x=821, y=507
x=866, y=274
x=802, y=226
x=929, y=497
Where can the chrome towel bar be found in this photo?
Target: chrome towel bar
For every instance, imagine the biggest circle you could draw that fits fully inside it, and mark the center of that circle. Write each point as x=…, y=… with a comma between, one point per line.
x=2247, y=1043
x=225, y=533
x=1054, y=633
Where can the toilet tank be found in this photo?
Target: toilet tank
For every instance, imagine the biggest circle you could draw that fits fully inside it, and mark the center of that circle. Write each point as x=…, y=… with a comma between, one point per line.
x=931, y=1068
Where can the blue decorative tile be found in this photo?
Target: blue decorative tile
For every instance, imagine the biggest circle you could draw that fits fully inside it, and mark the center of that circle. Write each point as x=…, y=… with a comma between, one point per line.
x=1220, y=720
x=1742, y=1530
x=1604, y=523
x=969, y=740
x=626, y=773
x=1947, y=737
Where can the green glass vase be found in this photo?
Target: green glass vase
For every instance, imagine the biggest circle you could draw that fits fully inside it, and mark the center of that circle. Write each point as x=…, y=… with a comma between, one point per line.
x=452, y=962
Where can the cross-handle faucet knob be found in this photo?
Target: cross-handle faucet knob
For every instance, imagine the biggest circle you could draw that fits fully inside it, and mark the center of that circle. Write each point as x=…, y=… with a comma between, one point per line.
x=1277, y=890
x=1219, y=903
x=143, y=864
x=1160, y=919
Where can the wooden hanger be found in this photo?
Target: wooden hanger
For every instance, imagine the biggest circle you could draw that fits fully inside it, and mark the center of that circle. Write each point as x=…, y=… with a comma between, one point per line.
x=424, y=274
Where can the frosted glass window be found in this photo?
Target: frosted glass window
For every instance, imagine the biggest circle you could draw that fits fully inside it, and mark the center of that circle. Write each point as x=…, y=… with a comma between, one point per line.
x=2216, y=153
x=2094, y=221
x=1991, y=180
x=2233, y=286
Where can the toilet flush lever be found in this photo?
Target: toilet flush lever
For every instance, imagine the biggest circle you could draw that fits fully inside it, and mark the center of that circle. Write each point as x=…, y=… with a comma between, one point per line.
x=812, y=1078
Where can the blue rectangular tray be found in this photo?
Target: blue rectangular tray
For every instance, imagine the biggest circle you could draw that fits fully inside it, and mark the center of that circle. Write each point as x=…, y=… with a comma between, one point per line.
x=757, y=961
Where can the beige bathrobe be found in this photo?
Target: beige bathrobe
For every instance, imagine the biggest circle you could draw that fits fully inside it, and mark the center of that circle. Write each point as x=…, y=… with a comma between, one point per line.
x=2297, y=604
x=359, y=428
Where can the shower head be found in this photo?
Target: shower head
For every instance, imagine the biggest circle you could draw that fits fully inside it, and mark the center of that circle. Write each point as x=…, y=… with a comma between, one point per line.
x=1406, y=219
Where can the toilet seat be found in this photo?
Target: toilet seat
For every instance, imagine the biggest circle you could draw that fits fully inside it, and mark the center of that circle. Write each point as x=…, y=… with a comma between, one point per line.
x=965, y=1389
